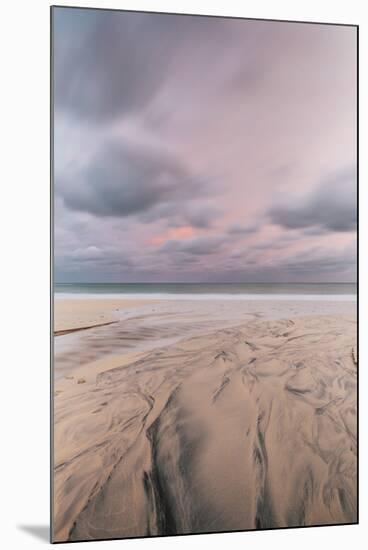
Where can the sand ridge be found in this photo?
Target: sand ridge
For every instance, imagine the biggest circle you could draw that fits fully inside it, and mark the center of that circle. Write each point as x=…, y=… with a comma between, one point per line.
x=247, y=427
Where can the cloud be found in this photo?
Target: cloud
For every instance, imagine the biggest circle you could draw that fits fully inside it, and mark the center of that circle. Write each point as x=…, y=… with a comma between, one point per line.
x=164, y=123
x=320, y=261
x=332, y=207
x=278, y=242
x=193, y=211
x=89, y=253
x=107, y=63
x=237, y=229
x=97, y=257
x=311, y=265
x=201, y=246
x=200, y=216
x=121, y=181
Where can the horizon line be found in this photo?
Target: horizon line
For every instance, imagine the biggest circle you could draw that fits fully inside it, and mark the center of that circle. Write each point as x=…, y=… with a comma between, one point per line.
x=206, y=283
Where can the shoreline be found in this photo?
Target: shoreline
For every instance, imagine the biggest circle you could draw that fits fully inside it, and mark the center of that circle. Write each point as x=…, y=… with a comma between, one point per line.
x=144, y=297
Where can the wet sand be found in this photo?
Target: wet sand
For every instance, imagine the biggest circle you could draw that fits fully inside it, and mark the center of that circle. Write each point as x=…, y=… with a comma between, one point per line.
x=188, y=418
x=80, y=314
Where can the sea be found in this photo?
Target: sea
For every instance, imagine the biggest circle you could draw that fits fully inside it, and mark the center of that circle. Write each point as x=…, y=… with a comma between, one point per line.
x=197, y=291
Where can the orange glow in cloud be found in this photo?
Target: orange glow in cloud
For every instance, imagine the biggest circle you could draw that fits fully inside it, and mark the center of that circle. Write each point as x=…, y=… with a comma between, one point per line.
x=178, y=233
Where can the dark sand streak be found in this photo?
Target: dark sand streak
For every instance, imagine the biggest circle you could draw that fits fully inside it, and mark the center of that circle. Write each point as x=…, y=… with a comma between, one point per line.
x=77, y=329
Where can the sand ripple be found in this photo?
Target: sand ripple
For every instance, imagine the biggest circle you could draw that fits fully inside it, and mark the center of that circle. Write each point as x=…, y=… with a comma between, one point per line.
x=242, y=428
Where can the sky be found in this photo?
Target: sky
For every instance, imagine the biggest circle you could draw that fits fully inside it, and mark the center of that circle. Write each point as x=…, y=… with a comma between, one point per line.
x=192, y=149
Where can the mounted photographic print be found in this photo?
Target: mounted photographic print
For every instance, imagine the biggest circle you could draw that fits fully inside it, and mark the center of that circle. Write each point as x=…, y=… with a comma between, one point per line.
x=204, y=230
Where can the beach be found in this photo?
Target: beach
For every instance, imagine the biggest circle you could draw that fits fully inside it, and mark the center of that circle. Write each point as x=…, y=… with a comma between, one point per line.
x=189, y=416
x=72, y=315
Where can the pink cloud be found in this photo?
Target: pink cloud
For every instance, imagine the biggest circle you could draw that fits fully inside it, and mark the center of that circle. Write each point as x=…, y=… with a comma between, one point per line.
x=177, y=233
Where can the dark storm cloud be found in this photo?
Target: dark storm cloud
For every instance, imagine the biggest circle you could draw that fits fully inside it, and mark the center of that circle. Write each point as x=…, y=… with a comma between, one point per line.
x=113, y=64
x=110, y=63
x=331, y=207
x=121, y=181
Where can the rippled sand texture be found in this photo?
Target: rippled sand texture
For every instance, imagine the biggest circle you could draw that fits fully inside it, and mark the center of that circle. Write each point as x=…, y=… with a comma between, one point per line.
x=243, y=428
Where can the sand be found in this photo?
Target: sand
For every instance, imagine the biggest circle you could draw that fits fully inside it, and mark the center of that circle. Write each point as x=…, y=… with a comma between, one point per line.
x=243, y=426
x=79, y=314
